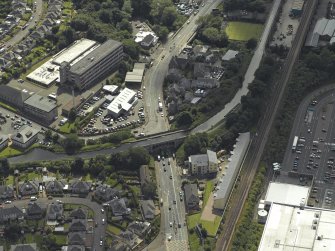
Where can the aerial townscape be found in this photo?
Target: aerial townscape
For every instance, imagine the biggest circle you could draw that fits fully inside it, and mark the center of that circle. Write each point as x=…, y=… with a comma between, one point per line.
x=167, y=125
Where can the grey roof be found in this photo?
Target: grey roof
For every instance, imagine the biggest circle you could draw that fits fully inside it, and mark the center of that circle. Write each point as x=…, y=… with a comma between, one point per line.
x=138, y=227
x=54, y=186
x=75, y=248
x=148, y=39
x=24, y=247
x=191, y=193
x=230, y=54
x=76, y=238
x=25, y=134
x=10, y=213
x=28, y=188
x=118, y=207
x=78, y=213
x=6, y=192
x=199, y=159
x=55, y=211
x=212, y=156
x=77, y=225
x=42, y=103
x=34, y=208
x=106, y=193
x=148, y=209
x=95, y=56
x=79, y=186
x=119, y=246
x=227, y=180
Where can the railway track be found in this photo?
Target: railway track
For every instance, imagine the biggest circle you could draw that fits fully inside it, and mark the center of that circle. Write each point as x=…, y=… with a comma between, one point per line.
x=251, y=163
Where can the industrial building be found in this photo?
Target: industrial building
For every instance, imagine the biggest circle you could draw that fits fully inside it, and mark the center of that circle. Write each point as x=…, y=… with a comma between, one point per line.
x=42, y=108
x=135, y=76
x=89, y=68
x=3, y=141
x=25, y=137
x=324, y=31
x=298, y=228
x=202, y=164
x=13, y=96
x=226, y=181
x=110, y=89
x=122, y=103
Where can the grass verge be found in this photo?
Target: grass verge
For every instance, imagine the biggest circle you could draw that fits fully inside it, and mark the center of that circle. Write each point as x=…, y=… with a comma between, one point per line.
x=242, y=31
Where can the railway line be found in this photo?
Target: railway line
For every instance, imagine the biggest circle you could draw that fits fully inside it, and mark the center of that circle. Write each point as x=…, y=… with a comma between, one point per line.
x=251, y=163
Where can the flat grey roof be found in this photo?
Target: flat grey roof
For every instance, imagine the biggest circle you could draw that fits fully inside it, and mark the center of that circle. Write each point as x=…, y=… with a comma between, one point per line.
x=93, y=57
x=42, y=103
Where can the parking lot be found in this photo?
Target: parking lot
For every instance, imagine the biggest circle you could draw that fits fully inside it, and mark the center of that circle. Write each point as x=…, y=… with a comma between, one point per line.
x=286, y=27
x=11, y=123
x=102, y=122
x=314, y=153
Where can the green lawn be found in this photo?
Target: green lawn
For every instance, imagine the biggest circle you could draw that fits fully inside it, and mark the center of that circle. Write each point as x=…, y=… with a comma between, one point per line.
x=113, y=229
x=194, y=242
x=9, y=151
x=8, y=107
x=10, y=180
x=242, y=31
x=66, y=128
x=208, y=189
x=61, y=239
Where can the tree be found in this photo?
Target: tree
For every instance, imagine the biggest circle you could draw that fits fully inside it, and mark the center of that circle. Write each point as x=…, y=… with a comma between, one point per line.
x=72, y=115
x=72, y=143
x=138, y=156
x=12, y=231
x=4, y=167
x=77, y=165
x=149, y=190
x=131, y=48
x=48, y=135
x=195, y=144
x=184, y=119
x=55, y=138
x=169, y=16
x=251, y=44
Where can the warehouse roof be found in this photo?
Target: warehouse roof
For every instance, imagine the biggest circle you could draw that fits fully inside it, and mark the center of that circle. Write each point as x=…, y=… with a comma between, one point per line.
x=290, y=228
x=136, y=75
x=42, y=103
x=330, y=28
x=25, y=134
x=74, y=51
x=286, y=193
x=95, y=56
x=122, y=101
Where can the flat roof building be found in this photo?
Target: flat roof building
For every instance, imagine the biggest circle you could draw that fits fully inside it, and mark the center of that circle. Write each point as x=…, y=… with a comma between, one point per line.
x=287, y=194
x=93, y=66
x=43, y=108
x=122, y=103
x=111, y=89
x=3, y=141
x=291, y=228
x=203, y=164
x=226, y=181
x=135, y=76
x=45, y=75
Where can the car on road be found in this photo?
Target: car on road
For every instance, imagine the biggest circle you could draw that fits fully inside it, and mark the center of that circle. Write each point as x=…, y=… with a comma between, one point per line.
x=8, y=202
x=171, y=224
x=174, y=202
x=188, y=21
x=103, y=221
x=179, y=225
x=100, y=243
x=164, y=169
x=170, y=238
x=102, y=211
x=159, y=158
x=170, y=177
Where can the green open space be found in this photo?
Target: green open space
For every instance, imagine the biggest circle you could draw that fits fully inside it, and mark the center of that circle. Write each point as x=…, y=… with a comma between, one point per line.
x=10, y=180
x=9, y=151
x=243, y=31
x=67, y=127
x=113, y=229
x=8, y=107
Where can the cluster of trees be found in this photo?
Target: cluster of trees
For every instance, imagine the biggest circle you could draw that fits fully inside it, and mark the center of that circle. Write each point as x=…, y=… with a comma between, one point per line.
x=131, y=159
x=248, y=232
x=209, y=31
x=253, y=104
x=316, y=68
x=71, y=143
x=5, y=8
x=249, y=5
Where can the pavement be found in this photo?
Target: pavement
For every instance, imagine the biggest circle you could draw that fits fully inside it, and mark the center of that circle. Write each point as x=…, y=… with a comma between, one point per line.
x=37, y=13
x=99, y=231
x=172, y=210
x=315, y=124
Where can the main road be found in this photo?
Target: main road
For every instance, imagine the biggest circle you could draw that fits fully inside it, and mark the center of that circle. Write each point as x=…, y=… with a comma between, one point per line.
x=257, y=145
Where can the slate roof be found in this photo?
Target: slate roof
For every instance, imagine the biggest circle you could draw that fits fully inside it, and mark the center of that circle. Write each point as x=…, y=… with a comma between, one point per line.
x=138, y=227
x=75, y=248
x=148, y=209
x=76, y=238
x=6, y=192
x=24, y=247
x=78, y=225
x=118, y=207
x=54, y=186
x=34, y=208
x=10, y=213
x=80, y=187
x=106, y=193
x=191, y=194
x=28, y=188
x=55, y=211
x=25, y=134
x=78, y=214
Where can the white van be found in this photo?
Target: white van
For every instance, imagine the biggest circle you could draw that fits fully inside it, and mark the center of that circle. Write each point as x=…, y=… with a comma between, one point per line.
x=33, y=198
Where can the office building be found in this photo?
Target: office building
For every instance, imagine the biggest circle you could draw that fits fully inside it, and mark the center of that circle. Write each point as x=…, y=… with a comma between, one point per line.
x=122, y=103
x=41, y=108
x=202, y=164
x=25, y=137
x=93, y=66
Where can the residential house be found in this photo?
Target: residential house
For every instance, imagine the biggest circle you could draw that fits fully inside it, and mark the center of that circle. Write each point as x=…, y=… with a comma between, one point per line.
x=25, y=137
x=200, y=50
x=105, y=193
x=55, y=8
x=4, y=63
x=10, y=214
x=75, y=248
x=78, y=213
x=148, y=209
x=78, y=225
x=202, y=164
x=207, y=83
x=118, y=246
x=201, y=70
x=130, y=238
x=139, y=228
x=148, y=41
x=49, y=22
x=191, y=197
x=6, y=193
x=37, y=34
x=52, y=15
x=18, y=12
x=55, y=211
x=10, y=56
x=76, y=238
x=80, y=188
x=28, y=188
x=118, y=207
x=229, y=55
x=174, y=75
x=24, y=247
x=54, y=187
x=179, y=62
x=35, y=211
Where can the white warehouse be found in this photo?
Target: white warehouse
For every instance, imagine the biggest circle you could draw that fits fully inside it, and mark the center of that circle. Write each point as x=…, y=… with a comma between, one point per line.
x=227, y=180
x=122, y=103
